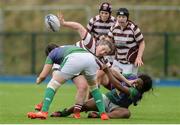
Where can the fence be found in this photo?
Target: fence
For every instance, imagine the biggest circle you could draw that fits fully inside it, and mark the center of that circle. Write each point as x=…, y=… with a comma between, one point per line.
x=21, y=49
x=26, y=55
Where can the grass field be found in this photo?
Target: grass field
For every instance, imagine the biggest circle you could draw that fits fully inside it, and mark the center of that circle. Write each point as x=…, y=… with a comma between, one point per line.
x=160, y=106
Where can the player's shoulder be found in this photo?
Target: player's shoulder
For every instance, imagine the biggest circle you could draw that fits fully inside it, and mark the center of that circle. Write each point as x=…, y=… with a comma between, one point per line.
x=95, y=18
x=132, y=25
x=115, y=26
x=113, y=18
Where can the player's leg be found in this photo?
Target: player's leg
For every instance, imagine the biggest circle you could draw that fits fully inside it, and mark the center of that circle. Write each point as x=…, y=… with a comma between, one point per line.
x=55, y=68
x=115, y=111
x=100, y=80
x=56, y=81
x=119, y=113
x=50, y=91
x=90, y=72
x=97, y=96
x=89, y=105
x=82, y=87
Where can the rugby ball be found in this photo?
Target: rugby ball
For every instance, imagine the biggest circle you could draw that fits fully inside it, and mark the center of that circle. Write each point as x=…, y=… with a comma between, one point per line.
x=52, y=22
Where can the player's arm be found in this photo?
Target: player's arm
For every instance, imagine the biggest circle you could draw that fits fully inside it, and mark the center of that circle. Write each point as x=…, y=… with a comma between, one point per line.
x=138, y=61
x=73, y=25
x=45, y=72
x=120, y=77
x=115, y=81
x=140, y=40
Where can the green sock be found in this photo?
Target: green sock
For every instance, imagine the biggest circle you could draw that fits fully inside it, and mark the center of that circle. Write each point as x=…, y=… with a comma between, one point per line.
x=49, y=95
x=98, y=99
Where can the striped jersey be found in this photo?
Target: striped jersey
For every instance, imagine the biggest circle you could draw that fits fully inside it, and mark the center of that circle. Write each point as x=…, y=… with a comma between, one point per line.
x=88, y=43
x=97, y=27
x=125, y=39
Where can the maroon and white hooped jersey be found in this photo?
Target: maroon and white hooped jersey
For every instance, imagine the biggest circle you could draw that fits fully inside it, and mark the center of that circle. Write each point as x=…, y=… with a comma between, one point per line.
x=88, y=43
x=97, y=27
x=125, y=39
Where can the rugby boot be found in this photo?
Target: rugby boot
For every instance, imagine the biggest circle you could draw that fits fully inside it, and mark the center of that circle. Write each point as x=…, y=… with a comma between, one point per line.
x=38, y=107
x=41, y=115
x=77, y=115
x=104, y=116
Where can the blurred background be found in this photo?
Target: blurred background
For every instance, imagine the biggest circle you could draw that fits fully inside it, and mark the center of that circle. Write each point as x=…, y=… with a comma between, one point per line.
x=23, y=35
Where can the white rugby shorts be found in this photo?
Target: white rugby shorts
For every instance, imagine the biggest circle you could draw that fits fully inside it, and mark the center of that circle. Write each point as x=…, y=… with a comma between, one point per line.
x=125, y=68
x=76, y=63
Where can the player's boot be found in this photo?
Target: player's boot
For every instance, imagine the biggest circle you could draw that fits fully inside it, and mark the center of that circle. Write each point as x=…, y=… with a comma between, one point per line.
x=77, y=115
x=104, y=116
x=34, y=115
x=38, y=107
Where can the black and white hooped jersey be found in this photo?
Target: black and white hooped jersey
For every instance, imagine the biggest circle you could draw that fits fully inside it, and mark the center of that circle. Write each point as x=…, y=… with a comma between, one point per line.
x=97, y=27
x=88, y=43
x=125, y=39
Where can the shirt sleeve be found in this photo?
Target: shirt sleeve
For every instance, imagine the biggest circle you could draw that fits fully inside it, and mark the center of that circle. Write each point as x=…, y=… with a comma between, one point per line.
x=110, y=33
x=89, y=42
x=90, y=25
x=48, y=60
x=133, y=92
x=137, y=34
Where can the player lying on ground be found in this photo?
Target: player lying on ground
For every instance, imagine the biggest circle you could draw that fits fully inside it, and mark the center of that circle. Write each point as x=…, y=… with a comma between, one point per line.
x=117, y=100
x=73, y=61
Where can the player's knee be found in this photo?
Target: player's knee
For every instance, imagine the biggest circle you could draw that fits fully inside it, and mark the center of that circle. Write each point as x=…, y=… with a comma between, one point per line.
x=82, y=87
x=54, y=84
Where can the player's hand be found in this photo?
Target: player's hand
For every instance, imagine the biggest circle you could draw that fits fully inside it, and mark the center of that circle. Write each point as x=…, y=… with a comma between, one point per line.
x=39, y=80
x=138, y=62
x=131, y=82
x=61, y=18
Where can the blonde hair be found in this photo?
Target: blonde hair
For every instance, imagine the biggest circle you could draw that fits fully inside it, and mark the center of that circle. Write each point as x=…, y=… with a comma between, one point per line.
x=105, y=40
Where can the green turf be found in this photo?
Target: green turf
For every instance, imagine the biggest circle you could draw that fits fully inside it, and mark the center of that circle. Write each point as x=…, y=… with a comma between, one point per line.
x=161, y=106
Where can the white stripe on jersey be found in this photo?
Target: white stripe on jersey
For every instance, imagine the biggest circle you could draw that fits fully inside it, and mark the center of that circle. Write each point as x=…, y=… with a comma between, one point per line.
x=128, y=32
x=125, y=39
x=104, y=24
x=139, y=37
x=122, y=50
x=97, y=27
x=121, y=56
x=137, y=31
x=89, y=42
x=87, y=39
x=102, y=31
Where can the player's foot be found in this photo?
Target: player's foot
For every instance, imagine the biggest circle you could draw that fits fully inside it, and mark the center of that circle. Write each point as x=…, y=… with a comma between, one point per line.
x=104, y=116
x=34, y=115
x=38, y=107
x=93, y=115
x=77, y=115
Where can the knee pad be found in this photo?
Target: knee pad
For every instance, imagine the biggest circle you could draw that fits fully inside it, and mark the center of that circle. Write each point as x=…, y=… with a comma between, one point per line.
x=53, y=84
